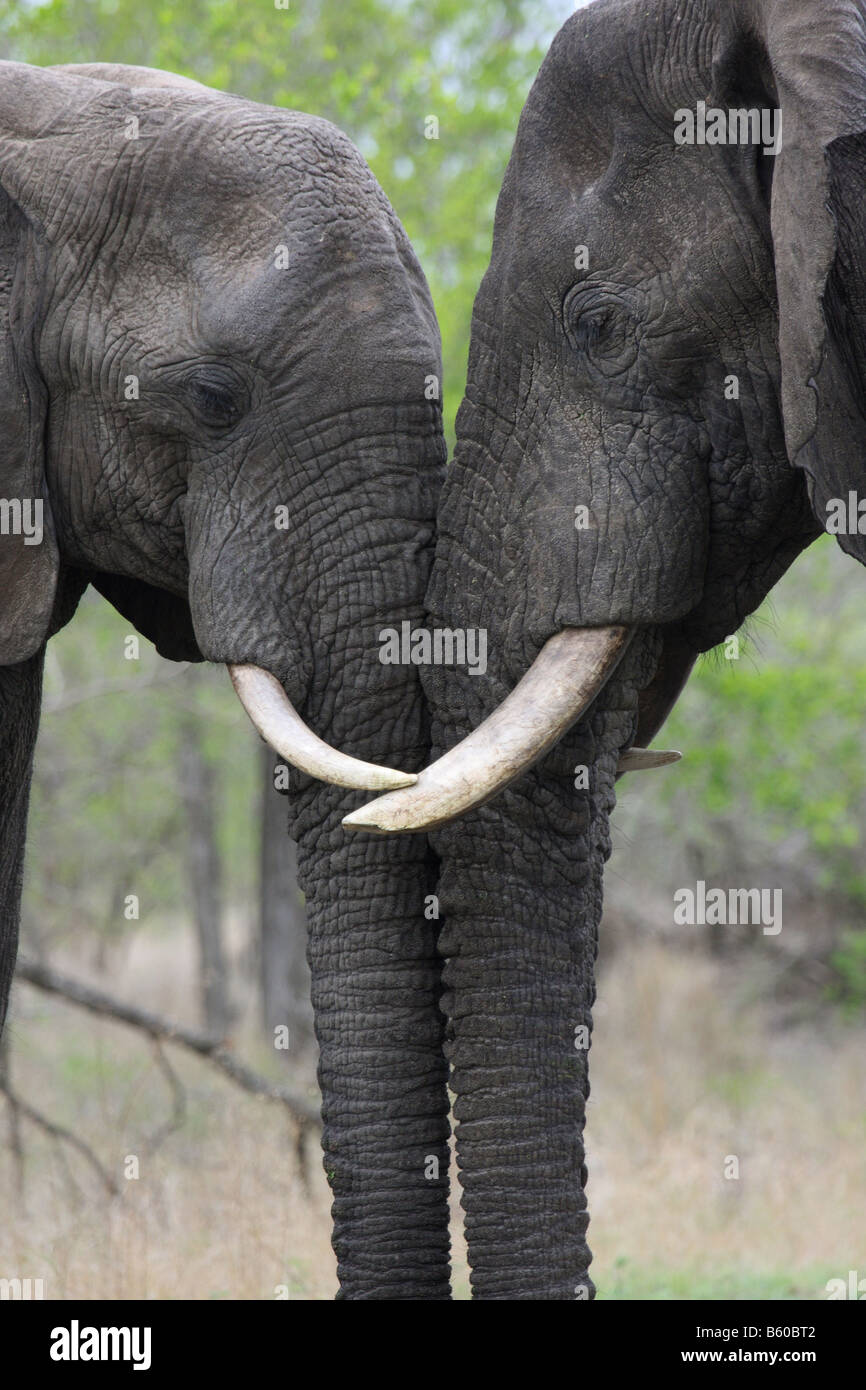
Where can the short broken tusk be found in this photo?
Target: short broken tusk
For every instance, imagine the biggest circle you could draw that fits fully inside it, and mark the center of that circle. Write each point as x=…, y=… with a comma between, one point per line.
x=641, y=759
x=558, y=688
x=280, y=725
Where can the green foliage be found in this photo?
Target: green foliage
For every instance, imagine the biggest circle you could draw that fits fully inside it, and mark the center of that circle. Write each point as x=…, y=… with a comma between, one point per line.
x=629, y=1282
x=775, y=742
x=848, y=963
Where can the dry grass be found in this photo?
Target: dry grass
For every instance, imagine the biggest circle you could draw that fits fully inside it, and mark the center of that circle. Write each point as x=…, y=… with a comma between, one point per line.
x=684, y=1074
x=688, y=1070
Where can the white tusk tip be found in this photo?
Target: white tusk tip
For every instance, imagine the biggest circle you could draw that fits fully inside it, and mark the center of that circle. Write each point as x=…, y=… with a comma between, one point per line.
x=384, y=816
x=359, y=820
x=392, y=780
x=641, y=759
x=279, y=724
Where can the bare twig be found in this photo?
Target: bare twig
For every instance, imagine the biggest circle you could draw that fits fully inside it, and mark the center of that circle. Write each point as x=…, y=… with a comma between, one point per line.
x=130, y=686
x=211, y=1049
x=59, y=1134
x=15, y=1143
x=178, y=1099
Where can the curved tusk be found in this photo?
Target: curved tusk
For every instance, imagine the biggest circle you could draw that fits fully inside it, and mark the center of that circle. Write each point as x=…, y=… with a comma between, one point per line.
x=561, y=683
x=639, y=759
x=280, y=725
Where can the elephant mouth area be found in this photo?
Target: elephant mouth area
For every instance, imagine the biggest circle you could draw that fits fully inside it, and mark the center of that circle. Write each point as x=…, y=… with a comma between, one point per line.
x=658, y=697
x=161, y=615
x=165, y=618
x=558, y=692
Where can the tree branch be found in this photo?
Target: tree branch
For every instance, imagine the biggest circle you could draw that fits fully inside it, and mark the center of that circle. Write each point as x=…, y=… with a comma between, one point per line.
x=130, y=686
x=58, y=1133
x=178, y=1098
x=213, y=1050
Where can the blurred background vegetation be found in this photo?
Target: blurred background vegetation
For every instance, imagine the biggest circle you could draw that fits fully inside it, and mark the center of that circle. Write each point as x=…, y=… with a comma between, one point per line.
x=147, y=845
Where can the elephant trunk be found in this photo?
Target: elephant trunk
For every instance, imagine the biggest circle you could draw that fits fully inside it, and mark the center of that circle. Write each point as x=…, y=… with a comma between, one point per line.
x=375, y=972
x=521, y=894
x=382, y=1073
x=519, y=990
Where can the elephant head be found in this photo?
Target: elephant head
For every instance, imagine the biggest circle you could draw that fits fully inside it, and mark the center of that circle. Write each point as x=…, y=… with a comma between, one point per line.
x=219, y=406
x=665, y=391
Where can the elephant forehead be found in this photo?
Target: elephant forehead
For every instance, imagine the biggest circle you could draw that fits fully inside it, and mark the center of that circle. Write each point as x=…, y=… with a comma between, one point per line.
x=596, y=156
x=244, y=174
x=631, y=221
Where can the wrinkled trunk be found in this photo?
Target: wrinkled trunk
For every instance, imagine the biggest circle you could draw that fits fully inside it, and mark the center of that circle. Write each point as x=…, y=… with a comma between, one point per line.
x=521, y=895
x=372, y=952
x=20, y=696
x=376, y=986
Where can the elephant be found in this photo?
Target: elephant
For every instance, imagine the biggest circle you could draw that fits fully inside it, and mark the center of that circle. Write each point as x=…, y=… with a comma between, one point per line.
x=664, y=402
x=219, y=407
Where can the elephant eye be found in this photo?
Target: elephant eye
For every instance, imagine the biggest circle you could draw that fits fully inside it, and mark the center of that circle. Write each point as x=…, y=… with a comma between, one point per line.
x=600, y=330
x=217, y=399
x=592, y=328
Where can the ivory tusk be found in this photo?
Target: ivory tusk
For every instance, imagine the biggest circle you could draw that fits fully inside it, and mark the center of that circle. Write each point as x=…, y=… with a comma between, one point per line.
x=562, y=682
x=280, y=725
x=640, y=759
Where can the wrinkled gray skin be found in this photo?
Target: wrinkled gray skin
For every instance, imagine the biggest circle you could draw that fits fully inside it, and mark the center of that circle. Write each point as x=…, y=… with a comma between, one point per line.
x=605, y=388
x=259, y=387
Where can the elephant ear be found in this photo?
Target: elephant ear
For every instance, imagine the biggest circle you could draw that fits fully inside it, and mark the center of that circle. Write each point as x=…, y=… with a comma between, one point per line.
x=29, y=561
x=815, y=54
x=36, y=181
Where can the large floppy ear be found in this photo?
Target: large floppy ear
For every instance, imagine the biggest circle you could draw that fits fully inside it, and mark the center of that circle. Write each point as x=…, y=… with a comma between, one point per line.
x=32, y=104
x=56, y=128
x=814, y=52
x=29, y=559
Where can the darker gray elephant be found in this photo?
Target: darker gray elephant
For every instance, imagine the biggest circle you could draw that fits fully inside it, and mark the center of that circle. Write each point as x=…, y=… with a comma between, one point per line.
x=665, y=401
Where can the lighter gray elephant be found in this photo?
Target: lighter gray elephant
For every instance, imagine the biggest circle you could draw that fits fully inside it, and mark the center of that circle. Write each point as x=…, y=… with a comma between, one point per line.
x=218, y=405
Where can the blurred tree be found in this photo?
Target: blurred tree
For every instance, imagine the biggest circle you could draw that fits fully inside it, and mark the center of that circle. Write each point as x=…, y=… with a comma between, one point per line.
x=283, y=970
x=108, y=844
x=196, y=779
